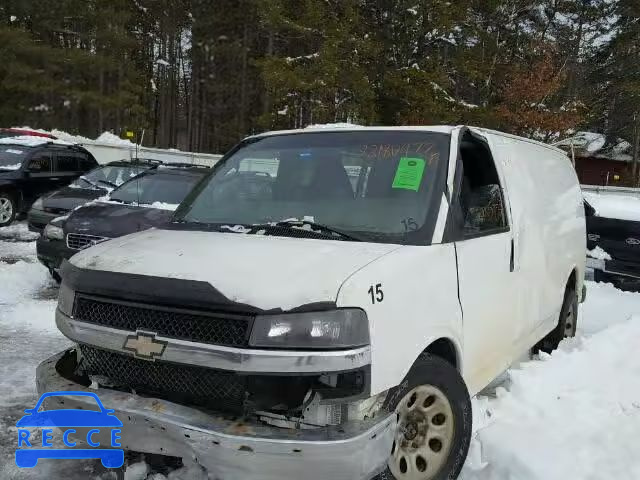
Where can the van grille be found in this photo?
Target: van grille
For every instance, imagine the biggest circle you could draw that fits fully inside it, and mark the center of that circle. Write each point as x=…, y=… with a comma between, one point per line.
x=79, y=241
x=203, y=327
x=178, y=383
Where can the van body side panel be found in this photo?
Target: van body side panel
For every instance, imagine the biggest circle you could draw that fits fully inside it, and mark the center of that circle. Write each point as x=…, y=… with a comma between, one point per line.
x=489, y=299
x=548, y=225
x=419, y=305
x=528, y=241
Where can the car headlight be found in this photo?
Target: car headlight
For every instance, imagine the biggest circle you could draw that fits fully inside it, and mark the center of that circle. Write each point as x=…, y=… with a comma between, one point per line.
x=344, y=328
x=66, y=297
x=53, y=232
x=38, y=204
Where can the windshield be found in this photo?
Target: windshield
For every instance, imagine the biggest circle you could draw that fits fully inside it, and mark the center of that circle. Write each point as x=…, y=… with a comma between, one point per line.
x=378, y=185
x=113, y=175
x=164, y=187
x=12, y=156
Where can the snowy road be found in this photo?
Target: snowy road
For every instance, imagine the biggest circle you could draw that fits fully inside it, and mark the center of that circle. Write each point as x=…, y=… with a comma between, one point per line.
x=574, y=415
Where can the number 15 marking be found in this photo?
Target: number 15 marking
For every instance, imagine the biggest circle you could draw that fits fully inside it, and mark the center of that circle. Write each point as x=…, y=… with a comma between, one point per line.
x=377, y=295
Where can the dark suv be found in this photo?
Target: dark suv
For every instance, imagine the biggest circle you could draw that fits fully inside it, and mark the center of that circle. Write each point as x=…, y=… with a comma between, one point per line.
x=95, y=184
x=32, y=166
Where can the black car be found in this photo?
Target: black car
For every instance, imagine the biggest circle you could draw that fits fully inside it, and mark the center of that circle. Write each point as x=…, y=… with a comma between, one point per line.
x=143, y=202
x=620, y=239
x=95, y=184
x=33, y=166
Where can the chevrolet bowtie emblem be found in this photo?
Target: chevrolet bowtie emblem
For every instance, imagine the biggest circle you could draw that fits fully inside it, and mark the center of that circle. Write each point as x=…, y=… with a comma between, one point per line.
x=144, y=345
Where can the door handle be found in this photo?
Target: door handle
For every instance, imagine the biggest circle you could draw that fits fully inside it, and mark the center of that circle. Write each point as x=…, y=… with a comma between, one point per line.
x=511, y=257
x=54, y=178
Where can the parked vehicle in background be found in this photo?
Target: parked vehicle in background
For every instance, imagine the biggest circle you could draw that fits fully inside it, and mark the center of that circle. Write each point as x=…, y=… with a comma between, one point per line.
x=613, y=239
x=31, y=166
x=17, y=132
x=96, y=183
x=291, y=322
x=146, y=200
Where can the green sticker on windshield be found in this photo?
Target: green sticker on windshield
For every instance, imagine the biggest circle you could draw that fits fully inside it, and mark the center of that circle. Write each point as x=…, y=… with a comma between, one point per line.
x=409, y=173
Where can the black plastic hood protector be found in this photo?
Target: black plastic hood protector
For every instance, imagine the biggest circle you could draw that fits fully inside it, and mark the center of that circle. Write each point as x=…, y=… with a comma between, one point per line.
x=114, y=220
x=170, y=292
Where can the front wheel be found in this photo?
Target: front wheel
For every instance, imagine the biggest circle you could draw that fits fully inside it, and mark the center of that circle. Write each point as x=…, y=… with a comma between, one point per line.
x=433, y=431
x=8, y=209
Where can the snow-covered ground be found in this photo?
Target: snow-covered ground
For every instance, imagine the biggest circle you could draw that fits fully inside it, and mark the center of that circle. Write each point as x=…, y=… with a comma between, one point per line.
x=572, y=415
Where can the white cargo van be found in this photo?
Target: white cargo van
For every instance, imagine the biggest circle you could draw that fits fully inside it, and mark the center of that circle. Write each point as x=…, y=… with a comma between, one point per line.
x=326, y=302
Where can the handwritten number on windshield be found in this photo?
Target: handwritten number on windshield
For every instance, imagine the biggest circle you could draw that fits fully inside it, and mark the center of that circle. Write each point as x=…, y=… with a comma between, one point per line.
x=409, y=225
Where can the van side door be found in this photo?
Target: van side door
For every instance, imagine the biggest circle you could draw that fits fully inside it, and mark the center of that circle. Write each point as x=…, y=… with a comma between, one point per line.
x=485, y=255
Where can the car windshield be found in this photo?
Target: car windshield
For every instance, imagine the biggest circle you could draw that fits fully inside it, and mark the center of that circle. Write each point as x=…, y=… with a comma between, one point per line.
x=158, y=186
x=12, y=156
x=377, y=185
x=110, y=175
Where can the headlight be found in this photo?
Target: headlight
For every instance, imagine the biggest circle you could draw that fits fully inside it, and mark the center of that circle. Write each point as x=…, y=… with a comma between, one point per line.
x=38, y=205
x=345, y=328
x=66, y=297
x=52, y=232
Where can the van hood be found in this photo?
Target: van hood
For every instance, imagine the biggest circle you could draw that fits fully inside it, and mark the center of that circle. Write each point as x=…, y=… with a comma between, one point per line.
x=265, y=272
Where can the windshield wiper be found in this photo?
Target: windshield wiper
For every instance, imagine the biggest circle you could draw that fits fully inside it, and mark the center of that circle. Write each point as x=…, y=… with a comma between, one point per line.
x=82, y=177
x=314, y=227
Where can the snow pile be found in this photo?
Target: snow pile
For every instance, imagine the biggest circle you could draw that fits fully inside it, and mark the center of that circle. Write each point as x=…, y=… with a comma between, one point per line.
x=598, y=253
x=570, y=414
x=21, y=280
x=69, y=137
x=606, y=306
x=28, y=333
x=110, y=138
x=610, y=205
x=18, y=232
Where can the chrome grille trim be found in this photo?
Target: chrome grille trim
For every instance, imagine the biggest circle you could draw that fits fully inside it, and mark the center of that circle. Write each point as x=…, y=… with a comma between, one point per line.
x=80, y=241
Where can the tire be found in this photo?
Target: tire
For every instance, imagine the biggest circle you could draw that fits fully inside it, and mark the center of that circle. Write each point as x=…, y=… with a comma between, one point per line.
x=434, y=447
x=567, y=323
x=8, y=209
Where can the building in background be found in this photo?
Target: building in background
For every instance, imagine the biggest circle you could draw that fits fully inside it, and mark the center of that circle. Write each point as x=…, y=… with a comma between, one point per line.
x=598, y=160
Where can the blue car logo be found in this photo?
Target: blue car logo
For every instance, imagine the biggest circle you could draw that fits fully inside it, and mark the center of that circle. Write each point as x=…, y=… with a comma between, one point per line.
x=63, y=420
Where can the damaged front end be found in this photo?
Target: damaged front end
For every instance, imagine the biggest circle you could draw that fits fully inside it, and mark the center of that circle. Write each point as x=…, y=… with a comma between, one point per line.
x=340, y=438
x=266, y=396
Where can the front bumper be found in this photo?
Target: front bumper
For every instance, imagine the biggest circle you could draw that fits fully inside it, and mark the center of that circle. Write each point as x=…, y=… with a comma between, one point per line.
x=38, y=219
x=232, y=449
x=51, y=253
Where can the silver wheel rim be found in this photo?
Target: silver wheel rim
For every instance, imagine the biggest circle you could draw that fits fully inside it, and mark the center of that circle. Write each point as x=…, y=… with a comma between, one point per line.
x=424, y=434
x=570, y=323
x=6, y=209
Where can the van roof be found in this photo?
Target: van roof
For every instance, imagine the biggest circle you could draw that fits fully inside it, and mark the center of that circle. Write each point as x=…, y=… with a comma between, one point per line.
x=347, y=127
x=447, y=129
